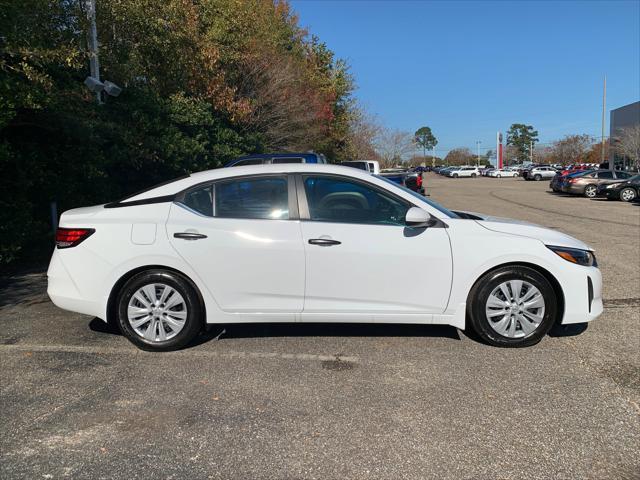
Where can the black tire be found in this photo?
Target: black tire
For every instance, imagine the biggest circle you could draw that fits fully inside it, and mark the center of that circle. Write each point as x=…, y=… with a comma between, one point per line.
x=630, y=193
x=455, y=175
x=195, y=309
x=590, y=191
x=473, y=175
x=516, y=174
x=480, y=292
x=498, y=176
x=537, y=177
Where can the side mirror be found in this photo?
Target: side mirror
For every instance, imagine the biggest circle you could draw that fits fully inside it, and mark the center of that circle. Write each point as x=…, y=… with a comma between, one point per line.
x=418, y=218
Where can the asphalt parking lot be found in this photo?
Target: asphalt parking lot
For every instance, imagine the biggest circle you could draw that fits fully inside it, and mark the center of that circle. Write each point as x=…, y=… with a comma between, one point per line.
x=337, y=401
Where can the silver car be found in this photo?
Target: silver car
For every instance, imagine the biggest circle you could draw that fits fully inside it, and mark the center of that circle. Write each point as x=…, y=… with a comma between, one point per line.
x=539, y=173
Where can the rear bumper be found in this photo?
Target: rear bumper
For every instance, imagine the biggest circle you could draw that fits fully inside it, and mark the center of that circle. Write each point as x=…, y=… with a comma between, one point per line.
x=64, y=293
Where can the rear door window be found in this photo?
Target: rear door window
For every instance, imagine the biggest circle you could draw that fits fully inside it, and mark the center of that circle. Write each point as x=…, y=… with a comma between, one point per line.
x=605, y=175
x=257, y=198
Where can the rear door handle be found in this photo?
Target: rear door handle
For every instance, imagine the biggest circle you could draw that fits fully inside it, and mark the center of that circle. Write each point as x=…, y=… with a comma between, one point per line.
x=189, y=235
x=323, y=242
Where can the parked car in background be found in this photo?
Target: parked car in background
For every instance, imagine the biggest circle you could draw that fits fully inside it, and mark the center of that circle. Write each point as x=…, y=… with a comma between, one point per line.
x=396, y=175
x=374, y=166
x=560, y=176
x=359, y=164
x=413, y=181
x=539, y=173
x=563, y=180
x=503, y=172
x=464, y=171
x=587, y=184
x=445, y=170
x=276, y=158
x=313, y=243
x=487, y=171
x=626, y=191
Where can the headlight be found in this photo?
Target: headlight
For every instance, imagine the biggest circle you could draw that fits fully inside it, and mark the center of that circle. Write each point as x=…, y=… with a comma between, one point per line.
x=575, y=255
x=613, y=185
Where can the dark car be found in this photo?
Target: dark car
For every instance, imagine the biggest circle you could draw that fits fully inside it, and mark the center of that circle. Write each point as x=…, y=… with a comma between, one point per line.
x=626, y=191
x=273, y=158
x=413, y=181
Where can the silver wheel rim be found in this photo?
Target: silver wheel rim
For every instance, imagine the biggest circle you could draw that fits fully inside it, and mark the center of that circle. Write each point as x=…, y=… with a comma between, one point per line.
x=590, y=191
x=157, y=312
x=515, y=309
x=627, y=194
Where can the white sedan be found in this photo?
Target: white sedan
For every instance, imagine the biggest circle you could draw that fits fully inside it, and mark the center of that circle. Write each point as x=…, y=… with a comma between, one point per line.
x=503, y=173
x=313, y=243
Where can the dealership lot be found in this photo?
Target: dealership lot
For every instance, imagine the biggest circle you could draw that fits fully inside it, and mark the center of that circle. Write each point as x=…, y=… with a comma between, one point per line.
x=337, y=401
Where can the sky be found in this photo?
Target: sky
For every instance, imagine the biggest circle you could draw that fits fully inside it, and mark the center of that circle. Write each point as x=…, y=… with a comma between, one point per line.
x=468, y=69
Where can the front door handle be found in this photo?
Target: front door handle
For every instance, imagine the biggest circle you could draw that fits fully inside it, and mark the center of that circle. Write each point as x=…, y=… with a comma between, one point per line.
x=189, y=235
x=323, y=242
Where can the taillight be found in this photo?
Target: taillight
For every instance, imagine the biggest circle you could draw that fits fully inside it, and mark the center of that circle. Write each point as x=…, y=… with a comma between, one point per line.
x=573, y=180
x=419, y=180
x=70, y=237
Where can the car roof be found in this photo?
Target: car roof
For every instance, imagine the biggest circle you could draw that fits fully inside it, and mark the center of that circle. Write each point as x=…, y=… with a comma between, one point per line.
x=173, y=187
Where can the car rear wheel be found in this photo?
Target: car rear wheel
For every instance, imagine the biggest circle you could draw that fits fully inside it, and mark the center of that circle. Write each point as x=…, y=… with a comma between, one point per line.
x=455, y=175
x=513, y=306
x=537, y=177
x=159, y=310
x=498, y=176
x=627, y=194
x=590, y=191
x=473, y=175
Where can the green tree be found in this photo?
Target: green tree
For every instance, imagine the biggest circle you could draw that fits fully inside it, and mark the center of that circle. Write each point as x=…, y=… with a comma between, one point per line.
x=522, y=137
x=203, y=82
x=425, y=139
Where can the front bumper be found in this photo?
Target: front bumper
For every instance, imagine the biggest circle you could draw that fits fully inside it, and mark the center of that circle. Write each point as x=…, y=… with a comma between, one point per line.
x=583, y=296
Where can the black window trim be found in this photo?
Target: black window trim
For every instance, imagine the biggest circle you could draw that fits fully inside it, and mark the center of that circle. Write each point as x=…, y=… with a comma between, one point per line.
x=291, y=195
x=303, y=204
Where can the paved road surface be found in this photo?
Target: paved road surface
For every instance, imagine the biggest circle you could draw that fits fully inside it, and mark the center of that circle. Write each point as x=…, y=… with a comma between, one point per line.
x=336, y=401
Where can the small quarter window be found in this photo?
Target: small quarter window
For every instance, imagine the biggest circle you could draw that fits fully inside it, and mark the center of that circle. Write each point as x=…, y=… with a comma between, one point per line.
x=200, y=200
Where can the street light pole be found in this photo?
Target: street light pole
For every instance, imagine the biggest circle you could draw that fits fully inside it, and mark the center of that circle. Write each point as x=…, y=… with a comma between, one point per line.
x=94, y=62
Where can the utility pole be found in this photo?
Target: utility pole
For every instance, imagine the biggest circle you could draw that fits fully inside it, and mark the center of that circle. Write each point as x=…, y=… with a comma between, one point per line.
x=94, y=62
x=604, y=109
x=531, y=151
x=478, y=142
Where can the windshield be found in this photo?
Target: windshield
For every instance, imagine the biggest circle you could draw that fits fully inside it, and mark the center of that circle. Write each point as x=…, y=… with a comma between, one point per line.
x=422, y=198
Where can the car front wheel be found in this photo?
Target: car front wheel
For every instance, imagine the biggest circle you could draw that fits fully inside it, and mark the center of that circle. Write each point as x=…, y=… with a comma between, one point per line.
x=159, y=310
x=627, y=194
x=537, y=177
x=513, y=306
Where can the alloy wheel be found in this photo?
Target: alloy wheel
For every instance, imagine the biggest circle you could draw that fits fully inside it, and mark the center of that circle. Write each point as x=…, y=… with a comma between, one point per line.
x=515, y=309
x=627, y=195
x=157, y=312
x=590, y=191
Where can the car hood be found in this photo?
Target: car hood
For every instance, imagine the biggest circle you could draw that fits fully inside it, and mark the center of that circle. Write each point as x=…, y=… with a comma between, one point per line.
x=511, y=226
